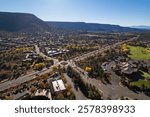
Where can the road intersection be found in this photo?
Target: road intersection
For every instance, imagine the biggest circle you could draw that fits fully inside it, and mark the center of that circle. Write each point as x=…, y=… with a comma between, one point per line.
x=114, y=90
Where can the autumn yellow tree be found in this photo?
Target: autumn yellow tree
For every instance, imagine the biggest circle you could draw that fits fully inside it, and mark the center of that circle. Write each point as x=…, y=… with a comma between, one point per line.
x=88, y=69
x=64, y=79
x=124, y=48
x=69, y=87
x=33, y=89
x=55, y=69
x=39, y=66
x=8, y=97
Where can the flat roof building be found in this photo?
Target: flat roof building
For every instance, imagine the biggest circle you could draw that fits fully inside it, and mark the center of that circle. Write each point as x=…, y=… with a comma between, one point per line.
x=44, y=92
x=58, y=85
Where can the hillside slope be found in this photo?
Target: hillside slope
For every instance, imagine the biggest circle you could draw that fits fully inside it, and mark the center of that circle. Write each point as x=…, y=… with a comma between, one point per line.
x=91, y=26
x=18, y=22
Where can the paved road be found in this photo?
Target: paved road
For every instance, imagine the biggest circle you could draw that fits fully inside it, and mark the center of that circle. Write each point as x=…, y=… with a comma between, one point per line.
x=79, y=95
x=22, y=79
x=113, y=90
x=15, y=82
x=44, y=56
x=31, y=76
x=93, y=53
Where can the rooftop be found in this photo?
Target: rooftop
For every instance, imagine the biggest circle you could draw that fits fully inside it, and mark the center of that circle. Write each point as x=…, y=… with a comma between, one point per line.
x=44, y=92
x=58, y=85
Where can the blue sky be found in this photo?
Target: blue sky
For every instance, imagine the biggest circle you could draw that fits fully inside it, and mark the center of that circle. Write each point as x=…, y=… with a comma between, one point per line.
x=122, y=12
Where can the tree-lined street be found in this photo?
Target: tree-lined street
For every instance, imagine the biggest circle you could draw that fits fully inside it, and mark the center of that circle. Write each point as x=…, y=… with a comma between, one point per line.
x=112, y=91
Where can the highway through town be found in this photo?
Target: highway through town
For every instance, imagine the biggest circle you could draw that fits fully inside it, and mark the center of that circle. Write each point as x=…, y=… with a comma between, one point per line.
x=113, y=91
x=31, y=76
x=93, y=53
x=16, y=82
x=22, y=79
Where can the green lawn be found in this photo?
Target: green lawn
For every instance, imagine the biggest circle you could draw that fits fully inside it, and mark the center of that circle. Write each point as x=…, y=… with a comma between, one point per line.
x=139, y=53
x=144, y=82
x=146, y=75
x=140, y=83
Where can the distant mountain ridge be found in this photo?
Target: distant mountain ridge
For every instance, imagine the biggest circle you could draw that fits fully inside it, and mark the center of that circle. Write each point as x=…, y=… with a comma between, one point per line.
x=91, y=26
x=141, y=27
x=21, y=22
x=24, y=22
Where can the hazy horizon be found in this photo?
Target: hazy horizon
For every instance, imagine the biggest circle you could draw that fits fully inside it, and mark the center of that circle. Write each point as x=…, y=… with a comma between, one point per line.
x=117, y=12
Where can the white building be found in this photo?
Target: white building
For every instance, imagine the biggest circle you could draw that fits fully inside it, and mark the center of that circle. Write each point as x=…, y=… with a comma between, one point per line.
x=58, y=85
x=44, y=92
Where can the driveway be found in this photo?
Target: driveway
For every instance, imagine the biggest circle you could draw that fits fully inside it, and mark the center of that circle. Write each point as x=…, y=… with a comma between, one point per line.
x=113, y=90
